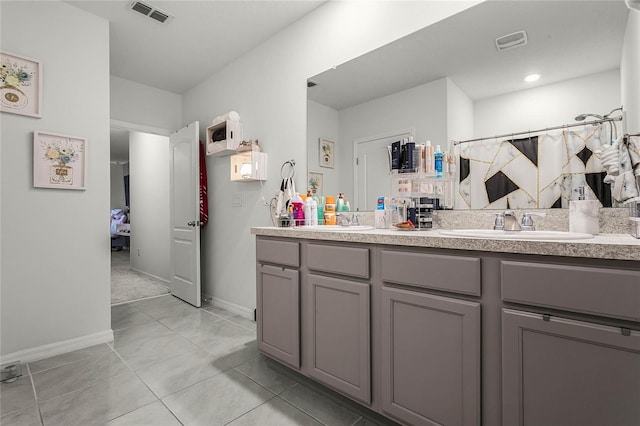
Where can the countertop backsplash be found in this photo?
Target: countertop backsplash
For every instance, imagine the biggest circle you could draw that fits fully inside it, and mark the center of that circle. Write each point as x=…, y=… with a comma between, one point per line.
x=612, y=220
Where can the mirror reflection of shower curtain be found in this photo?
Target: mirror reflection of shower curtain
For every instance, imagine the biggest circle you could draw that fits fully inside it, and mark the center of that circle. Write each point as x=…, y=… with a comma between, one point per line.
x=541, y=171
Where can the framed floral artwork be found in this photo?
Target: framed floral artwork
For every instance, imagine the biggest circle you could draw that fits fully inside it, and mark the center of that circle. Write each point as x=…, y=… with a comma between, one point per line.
x=20, y=85
x=314, y=184
x=59, y=161
x=327, y=153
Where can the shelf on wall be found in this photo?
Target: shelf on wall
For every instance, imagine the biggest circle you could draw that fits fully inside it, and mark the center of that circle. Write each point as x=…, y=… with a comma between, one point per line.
x=249, y=166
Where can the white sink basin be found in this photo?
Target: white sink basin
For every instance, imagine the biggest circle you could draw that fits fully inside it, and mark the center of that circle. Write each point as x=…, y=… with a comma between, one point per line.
x=334, y=228
x=516, y=235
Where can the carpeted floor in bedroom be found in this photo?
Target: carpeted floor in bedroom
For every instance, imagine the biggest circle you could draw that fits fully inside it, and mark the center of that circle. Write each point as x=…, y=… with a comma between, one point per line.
x=128, y=285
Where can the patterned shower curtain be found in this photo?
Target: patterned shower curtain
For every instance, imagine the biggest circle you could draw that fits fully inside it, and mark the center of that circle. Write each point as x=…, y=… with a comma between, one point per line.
x=542, y=171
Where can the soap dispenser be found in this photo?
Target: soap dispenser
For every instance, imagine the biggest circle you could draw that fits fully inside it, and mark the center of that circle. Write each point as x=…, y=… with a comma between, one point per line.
x=340, y=203
x=584, y=214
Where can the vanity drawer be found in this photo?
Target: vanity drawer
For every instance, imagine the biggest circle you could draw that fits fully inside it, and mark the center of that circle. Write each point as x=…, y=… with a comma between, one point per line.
x=352, y=261
x=598, y=291
x=460, y=274
x=280, y=252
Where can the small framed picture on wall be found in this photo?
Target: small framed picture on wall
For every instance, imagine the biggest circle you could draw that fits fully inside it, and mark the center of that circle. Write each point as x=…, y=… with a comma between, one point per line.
x=20, y=85
x=327, y=153
x=314, y=184
x=59, y=161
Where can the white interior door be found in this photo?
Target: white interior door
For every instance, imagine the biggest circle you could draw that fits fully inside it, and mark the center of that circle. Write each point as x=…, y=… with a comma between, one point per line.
x=371, y=168
x=185, y=213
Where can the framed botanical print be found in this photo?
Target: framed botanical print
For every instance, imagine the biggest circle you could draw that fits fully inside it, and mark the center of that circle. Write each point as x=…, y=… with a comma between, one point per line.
x=59, y=161
x=315, y=184
x=20, y=85
x=327, y=153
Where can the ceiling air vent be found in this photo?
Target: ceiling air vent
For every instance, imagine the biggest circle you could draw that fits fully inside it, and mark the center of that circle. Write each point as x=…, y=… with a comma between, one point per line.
x=151, y=12
x=159, y=16
x=509, y=41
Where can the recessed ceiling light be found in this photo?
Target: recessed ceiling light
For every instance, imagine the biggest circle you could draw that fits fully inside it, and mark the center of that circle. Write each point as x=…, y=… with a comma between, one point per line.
x=531, y=78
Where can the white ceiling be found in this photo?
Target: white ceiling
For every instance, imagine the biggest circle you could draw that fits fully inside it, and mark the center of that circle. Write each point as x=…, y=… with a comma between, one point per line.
x=566, y=39
x=202, y=38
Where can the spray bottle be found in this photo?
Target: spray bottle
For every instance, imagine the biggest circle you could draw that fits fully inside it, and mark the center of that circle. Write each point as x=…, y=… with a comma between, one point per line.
x=438, y=161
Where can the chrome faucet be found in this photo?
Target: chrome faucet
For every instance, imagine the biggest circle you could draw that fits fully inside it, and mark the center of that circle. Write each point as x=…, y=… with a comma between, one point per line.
x=498, y=223
x=511, y=221
x=344, y=220
x=527, y=221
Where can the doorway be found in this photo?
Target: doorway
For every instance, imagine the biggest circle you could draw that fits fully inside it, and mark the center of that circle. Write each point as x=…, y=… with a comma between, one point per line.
x=371, y=167
x=140, y=269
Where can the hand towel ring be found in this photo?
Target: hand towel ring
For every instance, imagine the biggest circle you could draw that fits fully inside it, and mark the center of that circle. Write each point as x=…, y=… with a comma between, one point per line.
x=290, y=171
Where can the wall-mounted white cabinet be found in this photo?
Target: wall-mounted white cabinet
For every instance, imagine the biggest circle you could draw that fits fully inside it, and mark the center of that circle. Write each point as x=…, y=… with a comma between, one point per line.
x=224, y=136
x=249, y=166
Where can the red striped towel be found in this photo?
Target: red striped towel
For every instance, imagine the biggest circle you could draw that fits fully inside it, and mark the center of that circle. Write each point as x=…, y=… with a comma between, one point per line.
x=204, y=201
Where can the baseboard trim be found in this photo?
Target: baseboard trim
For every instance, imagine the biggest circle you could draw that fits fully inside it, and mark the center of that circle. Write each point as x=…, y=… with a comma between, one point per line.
x=153, y=277
x=45, y=351
x=231, y=307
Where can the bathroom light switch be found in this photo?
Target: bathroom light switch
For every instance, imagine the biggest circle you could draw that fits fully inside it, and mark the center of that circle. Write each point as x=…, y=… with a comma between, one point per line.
x=236, y=200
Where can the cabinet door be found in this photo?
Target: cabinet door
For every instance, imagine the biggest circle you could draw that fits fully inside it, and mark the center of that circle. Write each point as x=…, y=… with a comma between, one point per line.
x=563, y=372
x=278, y=313
x=430, y=372
x=339, y=336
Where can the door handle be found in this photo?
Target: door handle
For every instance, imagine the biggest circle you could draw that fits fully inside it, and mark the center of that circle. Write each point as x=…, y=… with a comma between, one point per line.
x=193, y=223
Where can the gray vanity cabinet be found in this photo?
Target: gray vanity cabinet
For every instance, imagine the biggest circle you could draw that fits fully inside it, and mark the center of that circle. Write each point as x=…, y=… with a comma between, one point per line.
x=278, y=304
x=338, y=341
x=430, y=360
x=563, y=372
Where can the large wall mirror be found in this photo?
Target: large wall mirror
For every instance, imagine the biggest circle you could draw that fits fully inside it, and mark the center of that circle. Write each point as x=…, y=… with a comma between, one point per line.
x=450, y=82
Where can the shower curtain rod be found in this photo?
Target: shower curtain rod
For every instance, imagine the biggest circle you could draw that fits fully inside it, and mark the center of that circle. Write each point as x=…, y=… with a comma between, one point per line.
x=564, y=126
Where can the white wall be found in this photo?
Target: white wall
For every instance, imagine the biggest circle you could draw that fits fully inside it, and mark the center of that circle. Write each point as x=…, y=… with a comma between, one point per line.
x=149, y=198
x=422, y=108
x=117, y=186
x=459, y=114
x=55, y=243
x=142, y=108
x=267, y=86
x=322, y=122
x=630, y=72
x=137, y=103
x=549, y=105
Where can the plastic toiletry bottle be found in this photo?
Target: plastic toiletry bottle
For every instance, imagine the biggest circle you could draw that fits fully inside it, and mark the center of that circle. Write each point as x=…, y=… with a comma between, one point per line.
x=298, y=210
x=396, y=148
x=584, y=214
x=410, y=162
x=437, y=162
x=340, y=203
x=320, y=210
x=314, y=209
x=403, y=155
x=417, y=159
x=428, y=159
x=308, y=203
x=291, y=218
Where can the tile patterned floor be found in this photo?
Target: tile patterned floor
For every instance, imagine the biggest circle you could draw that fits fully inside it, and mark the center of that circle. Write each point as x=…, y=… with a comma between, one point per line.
x=169, y=364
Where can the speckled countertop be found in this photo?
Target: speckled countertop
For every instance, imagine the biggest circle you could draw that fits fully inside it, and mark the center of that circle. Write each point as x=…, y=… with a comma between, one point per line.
x=603, y=246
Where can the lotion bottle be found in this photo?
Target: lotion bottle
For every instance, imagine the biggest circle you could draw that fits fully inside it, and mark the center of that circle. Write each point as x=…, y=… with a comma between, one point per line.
x=584, y=214
x=308, y=203
x=340, y=203
x=428, y=159
x=438, y=161
x=314, y=210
